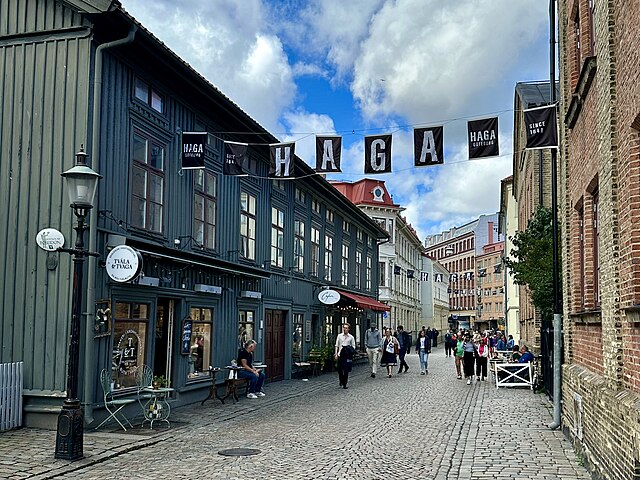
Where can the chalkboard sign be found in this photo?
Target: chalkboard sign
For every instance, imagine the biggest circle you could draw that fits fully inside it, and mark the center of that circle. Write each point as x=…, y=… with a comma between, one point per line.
x=187, y=328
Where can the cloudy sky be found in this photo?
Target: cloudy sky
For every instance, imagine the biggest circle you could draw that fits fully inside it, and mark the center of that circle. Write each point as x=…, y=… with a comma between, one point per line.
x=364, y=67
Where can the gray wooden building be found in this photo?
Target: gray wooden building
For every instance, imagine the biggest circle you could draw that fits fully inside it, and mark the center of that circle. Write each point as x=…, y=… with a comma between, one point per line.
x=238, y=257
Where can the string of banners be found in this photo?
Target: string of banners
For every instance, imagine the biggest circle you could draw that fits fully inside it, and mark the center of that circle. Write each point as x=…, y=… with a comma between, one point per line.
x=428, y=147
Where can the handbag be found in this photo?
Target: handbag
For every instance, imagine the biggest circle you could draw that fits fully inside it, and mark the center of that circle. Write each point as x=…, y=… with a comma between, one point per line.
x=396, y=349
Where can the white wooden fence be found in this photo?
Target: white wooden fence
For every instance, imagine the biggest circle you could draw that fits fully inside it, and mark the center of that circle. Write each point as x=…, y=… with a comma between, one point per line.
x=10, y=395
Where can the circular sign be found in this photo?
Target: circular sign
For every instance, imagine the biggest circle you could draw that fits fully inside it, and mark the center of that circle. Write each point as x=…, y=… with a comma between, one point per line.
x=50, y=239
x=329, y=297
x=123, y=263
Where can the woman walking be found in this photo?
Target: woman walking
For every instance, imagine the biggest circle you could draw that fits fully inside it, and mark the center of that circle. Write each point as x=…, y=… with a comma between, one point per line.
x=423, y=347
x=458, y=353
x=482, y=358
x=389, y=349
x=468, y=359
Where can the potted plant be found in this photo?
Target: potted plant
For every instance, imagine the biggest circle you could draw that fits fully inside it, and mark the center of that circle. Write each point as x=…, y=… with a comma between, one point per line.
x=159, y=381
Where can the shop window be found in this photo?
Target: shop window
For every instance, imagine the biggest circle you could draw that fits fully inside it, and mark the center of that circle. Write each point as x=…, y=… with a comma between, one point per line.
x=131, y=323
x=246, y=327
x=201, y=347
x=277, y=237
x=204, y=208
x=147, y=189
x=298, y=321
x=247, y=226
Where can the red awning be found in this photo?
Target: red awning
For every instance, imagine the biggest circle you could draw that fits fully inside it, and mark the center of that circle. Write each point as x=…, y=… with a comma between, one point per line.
x=365, y=302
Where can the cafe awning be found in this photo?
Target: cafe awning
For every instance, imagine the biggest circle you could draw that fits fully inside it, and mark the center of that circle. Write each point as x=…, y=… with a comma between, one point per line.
x=365, y=302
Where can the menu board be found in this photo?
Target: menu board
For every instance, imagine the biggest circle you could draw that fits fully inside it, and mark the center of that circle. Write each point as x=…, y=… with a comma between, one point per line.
x=187, y=329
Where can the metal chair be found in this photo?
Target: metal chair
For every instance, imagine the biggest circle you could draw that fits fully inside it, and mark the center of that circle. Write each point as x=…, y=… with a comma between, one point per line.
x=111, y=404
x=144, y=379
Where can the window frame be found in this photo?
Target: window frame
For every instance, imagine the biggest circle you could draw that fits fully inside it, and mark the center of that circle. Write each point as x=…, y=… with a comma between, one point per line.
x=248, y=242
x=277, y=236
x=205, y=241
x=298, y=245
x=149, y=170
x=315, y=252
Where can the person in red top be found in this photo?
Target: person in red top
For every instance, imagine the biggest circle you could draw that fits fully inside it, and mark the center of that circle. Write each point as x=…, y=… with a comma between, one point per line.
x=482, y=359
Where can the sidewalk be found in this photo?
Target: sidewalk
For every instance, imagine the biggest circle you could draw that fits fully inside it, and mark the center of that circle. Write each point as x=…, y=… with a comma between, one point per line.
x=426, y=427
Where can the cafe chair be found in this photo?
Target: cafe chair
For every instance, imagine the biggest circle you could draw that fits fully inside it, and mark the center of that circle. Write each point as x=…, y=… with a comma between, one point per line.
x=111, y=404
x=144, y=379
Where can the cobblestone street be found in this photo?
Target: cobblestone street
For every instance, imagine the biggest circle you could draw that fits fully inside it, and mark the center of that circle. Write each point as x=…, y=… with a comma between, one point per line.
x=407, y=426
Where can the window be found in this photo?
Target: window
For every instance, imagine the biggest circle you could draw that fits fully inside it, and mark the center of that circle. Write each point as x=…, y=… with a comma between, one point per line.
x=278, y=184
x=596, y=250
x=131, y=321
x=329, y=215
x=382, y=271
x=367, y=278
x=298, y=246
x=246, y=323
x=382, y=223
x=147, y=189
x=200, y=351
x=345, y=227
x=358, y=268
x=580, y=212
x=296, y=350
x=328, y=257
x=300, y=195
x=277, y=237
x=145, y=93
x=390, y=228
x=315, y=251
x=204, y=208
x=247, y=226
x=345, y=264
x=315, y=206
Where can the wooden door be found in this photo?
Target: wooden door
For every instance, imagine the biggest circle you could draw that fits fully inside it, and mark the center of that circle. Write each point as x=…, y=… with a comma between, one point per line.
x=274, y=344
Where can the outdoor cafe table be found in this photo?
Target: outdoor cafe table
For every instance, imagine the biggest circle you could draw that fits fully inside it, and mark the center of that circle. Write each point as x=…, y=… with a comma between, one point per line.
x=157, y=408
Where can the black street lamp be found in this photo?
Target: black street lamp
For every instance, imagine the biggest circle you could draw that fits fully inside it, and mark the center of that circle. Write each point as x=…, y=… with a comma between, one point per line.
x=81, y=185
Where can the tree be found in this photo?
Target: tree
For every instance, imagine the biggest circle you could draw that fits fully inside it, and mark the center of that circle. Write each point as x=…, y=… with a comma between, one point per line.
x=531, y=260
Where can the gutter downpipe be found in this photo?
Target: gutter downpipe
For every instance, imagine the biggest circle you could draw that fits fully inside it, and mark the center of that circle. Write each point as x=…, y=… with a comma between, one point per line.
x=557, y=307
x=89, y=379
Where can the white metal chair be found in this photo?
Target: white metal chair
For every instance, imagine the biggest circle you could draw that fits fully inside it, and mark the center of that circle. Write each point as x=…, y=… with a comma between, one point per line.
x=144, y=379
x=111, y=404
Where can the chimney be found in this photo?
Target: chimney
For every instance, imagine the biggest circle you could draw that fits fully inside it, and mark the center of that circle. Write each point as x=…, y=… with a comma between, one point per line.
x=490, y=232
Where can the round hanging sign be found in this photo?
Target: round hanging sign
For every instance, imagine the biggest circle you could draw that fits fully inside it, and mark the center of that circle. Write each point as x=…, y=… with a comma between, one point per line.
x=329, y=297
x=50, y=239
x=123, y=263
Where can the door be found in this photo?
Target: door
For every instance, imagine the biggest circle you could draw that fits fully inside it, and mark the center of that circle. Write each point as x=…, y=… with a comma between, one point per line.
x=163, y=334
x=274, y=344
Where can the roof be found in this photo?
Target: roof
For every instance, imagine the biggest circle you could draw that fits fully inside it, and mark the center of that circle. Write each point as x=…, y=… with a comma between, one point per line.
x=361, y=192
x=535, y=94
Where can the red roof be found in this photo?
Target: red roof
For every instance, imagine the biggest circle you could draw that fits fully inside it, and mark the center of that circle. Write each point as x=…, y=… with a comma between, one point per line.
x=365, y=302
x=361, y=192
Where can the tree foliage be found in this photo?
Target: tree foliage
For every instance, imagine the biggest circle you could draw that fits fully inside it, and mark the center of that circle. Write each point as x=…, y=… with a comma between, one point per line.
x=530, y=260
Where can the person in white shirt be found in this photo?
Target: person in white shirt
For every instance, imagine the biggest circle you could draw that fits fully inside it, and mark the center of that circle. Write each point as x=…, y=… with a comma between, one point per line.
x=344, y=351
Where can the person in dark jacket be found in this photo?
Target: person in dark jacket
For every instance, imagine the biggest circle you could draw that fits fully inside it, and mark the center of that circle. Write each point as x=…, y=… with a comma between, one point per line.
x=404, y=342
x=434, y=337
x=423, y=347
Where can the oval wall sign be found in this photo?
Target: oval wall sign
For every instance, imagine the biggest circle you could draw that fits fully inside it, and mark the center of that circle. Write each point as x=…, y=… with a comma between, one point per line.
x=50, y=239
x=123, y=263
x=329, y=297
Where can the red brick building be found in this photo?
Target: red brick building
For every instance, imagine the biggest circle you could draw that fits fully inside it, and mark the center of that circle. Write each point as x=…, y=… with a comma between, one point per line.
x=599, y=182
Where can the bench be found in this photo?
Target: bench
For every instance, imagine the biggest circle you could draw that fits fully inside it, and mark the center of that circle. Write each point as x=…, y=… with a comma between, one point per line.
x=514, y=374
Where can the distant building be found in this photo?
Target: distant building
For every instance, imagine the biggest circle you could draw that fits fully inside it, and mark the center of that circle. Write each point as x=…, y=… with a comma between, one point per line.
x=507, y=227
x=399, y=259
x=434, y=283
x=490, y=288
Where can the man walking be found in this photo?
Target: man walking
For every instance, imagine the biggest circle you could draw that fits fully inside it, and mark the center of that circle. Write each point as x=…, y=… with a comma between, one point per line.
x=404, y=343
x=344, y=350
x=373, y=342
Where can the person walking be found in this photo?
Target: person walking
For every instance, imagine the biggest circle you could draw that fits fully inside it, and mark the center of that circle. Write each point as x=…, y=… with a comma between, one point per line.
x=389, y=348
x=482, y=359
x=344, y=350
x=404, y=344
x=434, y=337
x=458, y=354
x=373, y=342
x=447, y=344
x=423, y=347
x=468, y=358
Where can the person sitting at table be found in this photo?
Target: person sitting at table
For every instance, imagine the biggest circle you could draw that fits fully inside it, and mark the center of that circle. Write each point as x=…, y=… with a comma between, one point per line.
x=245, y=364
x=515, y=356
x=527, y=356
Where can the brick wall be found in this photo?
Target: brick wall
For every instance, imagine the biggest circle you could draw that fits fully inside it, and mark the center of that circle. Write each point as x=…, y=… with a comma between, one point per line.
x=587, y=346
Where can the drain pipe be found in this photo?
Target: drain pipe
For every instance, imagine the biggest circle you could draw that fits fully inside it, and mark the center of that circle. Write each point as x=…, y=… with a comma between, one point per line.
x=557, y=305
x=89, y=358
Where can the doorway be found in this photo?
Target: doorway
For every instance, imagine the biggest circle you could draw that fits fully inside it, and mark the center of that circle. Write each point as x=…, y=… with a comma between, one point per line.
x=274, y=344
x=163, y=331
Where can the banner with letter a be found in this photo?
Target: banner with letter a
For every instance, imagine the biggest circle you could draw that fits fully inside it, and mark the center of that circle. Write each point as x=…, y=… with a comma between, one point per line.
x=377, y=154
x=483, y=138
x=282, y=156
x=328, y=152
x=428, y=146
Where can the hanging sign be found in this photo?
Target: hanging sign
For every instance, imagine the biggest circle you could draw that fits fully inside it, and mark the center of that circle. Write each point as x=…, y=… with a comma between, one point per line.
x=235, y=156
x=282, y=156
x=428, y=146
x=193, y=149
x=483, y=138
x=377, y=154
x=123, y=264
x=50, y=239
x=328, y=152
x=542, y=131
x=329, y=297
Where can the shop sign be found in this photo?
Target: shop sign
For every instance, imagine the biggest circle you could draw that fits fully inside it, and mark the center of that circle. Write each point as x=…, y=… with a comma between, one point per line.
x=50, y=239
x=193, y=145
x=123, y=263
x=187, y=328
x=329, y=297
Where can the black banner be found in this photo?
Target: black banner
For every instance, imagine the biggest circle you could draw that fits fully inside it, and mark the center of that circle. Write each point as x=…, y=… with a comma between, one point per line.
x=235, y=156
x=282, y=155
x=328, y=153
x=396, y=270
x=542, y=130
x=193, y=149
x=428, y=146
x=377, y=154
x=483, y=138
x=410, y=274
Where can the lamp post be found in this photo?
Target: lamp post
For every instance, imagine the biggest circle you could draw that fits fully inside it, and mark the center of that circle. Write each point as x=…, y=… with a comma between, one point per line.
x=81, y=186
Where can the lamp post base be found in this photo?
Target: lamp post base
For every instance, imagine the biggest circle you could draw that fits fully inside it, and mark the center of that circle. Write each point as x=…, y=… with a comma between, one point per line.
x=70, y=432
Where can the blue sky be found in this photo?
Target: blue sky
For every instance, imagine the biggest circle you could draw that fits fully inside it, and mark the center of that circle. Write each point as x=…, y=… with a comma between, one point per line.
x=363, y=67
